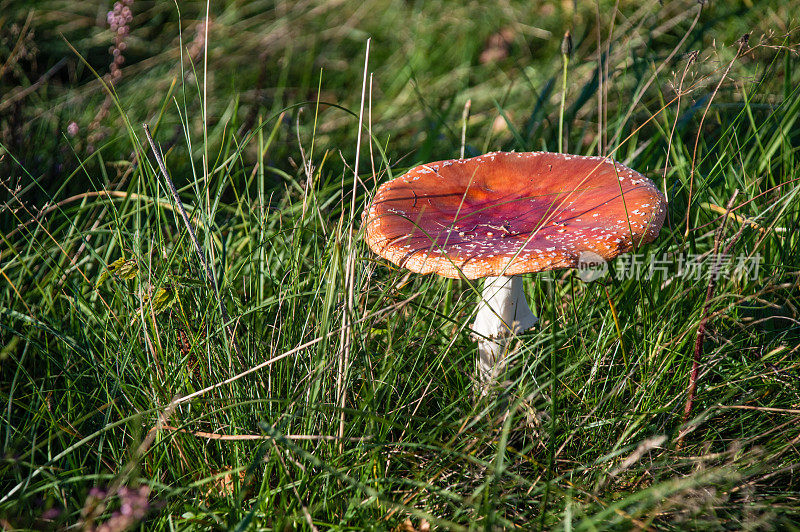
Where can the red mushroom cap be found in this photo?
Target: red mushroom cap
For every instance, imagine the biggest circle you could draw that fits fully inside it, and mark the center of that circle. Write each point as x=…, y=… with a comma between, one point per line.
x=511, y=213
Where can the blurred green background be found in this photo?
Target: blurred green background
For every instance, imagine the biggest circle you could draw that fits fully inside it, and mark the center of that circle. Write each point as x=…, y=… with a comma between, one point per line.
x=427, y=59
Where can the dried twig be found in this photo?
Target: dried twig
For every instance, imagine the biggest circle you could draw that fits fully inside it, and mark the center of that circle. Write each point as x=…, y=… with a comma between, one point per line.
x=701, y=330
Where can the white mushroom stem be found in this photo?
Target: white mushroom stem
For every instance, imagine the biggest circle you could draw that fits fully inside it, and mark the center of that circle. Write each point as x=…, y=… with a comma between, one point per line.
x=502, y=312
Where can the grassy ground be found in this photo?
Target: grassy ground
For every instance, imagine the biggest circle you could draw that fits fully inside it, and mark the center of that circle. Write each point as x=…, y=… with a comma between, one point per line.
x=346, y=401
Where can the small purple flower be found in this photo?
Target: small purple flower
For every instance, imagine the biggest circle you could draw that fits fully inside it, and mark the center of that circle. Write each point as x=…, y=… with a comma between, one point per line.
x=96, y=492
x=72, y=130
x=119, y=19
x=51, y=513
x=134, y=504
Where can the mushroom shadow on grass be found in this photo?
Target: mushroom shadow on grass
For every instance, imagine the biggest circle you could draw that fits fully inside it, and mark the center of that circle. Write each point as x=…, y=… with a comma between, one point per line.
x=501, y=215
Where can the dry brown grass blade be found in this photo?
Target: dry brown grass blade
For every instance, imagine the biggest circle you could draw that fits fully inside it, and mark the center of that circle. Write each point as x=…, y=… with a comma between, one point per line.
x=257, y=437
x=790, y=411
x=349, y=280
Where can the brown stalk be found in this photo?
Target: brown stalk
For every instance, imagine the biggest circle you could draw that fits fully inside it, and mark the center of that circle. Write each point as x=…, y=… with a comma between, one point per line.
x=701, y=330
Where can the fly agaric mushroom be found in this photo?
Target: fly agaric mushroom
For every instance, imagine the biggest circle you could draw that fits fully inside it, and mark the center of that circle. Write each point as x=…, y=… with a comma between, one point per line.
x=501, y=215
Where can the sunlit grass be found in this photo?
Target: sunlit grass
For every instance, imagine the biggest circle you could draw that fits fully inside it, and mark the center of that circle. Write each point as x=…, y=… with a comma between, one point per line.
x=119, y=370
